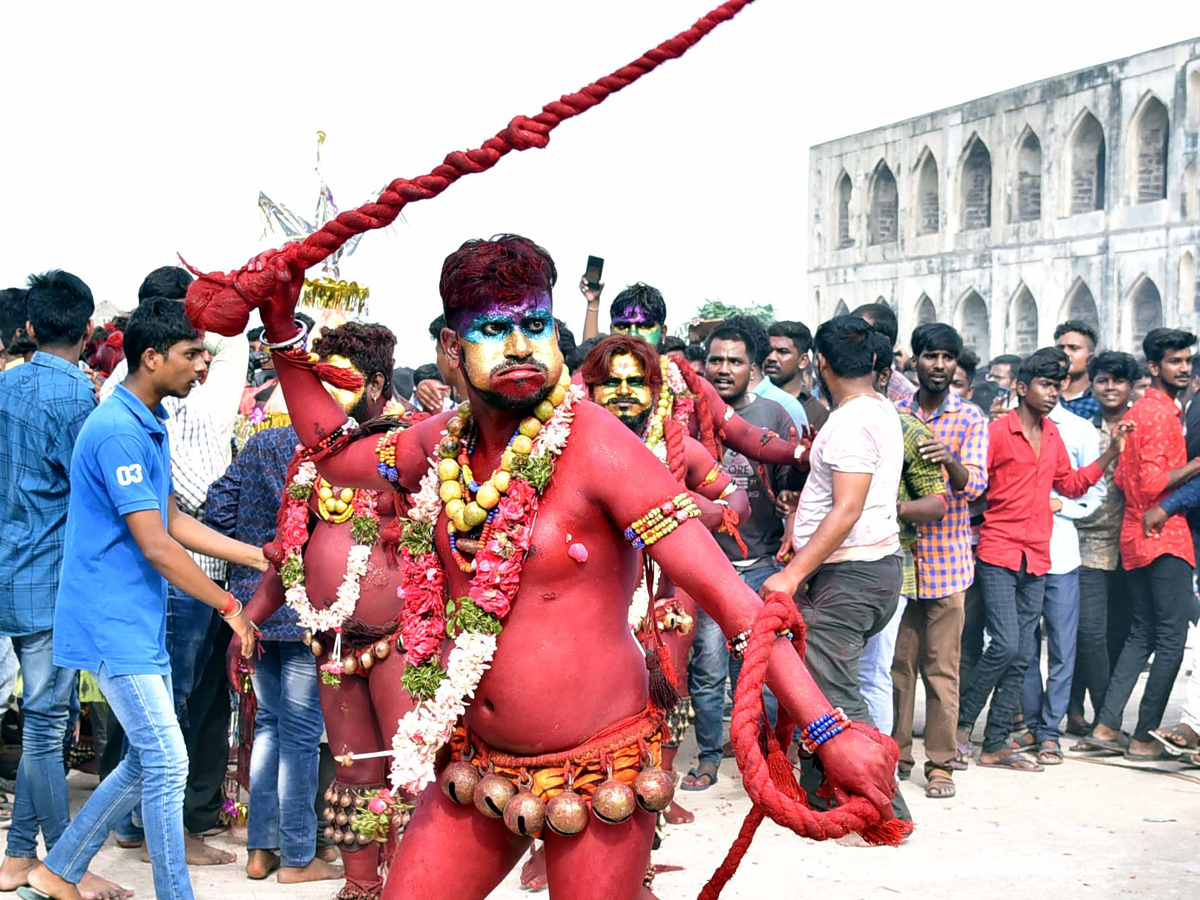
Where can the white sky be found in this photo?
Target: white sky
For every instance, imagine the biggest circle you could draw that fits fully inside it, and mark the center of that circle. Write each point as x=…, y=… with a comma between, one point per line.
x=132, y=131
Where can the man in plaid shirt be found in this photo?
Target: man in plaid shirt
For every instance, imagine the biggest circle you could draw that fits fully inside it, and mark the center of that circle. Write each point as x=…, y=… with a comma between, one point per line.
x=930, y=636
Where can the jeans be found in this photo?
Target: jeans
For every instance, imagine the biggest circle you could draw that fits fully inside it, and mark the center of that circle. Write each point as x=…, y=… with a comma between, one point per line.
x=1044, y=708
x=875, y=670
x=1092, y=663
x=707, y=674
x=754, y=579
x=285, y=758
x=152, y=773
x=1161, y=595
x=41, y=795
x=1012, y=604
x=972, y=632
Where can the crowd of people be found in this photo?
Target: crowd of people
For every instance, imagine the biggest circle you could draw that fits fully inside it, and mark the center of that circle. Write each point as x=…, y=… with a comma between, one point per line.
x=1018, y=536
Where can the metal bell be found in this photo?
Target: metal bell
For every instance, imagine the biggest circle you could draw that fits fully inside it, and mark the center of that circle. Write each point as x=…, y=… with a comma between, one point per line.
x=336, y=837
x=348, y=837
x=492, y=794
x=316, y=647
x=349, y=665
x=459, y=781
x=655, y=790
x=399, y=821
x=382, y=649
x=613, y=802
x=359, y=801
x=366, y=660
x=307, y=638
x=329, y=814
x=329, y=832
x=364, y=839
x=566, y=813
x=525, y=814
x=341, y=818
x=345, y=799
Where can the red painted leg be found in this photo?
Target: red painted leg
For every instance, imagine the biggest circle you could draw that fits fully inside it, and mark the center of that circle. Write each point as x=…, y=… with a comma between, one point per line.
x=603, y=862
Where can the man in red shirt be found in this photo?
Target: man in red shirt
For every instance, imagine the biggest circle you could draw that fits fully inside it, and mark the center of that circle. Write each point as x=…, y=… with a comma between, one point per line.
x=1026, y=458
x=1159, y=566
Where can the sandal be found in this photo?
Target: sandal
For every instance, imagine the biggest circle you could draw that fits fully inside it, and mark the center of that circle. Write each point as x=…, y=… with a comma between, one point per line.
x=1050, y=754
x=1176, y=741
x=962, y=756
x=1014, y=761
x=940, y=786
x=1119, y=746
x=1145, y=757
x=1019, y=744
x=700, y=778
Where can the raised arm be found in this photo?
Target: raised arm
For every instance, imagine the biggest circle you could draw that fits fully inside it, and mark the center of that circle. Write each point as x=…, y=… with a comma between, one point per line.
x=708, y=484
x=749, y=440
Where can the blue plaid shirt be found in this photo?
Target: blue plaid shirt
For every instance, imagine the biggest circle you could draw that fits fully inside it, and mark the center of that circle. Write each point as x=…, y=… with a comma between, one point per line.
x=1085, y=406
x=43, y=405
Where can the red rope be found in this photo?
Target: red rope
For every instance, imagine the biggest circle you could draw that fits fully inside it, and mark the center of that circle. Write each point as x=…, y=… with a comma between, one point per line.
x=709, y=432
x=222, y=302
x=676, y=450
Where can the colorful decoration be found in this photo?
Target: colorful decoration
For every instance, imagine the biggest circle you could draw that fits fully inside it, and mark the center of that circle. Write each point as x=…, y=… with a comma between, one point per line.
x=661, y=521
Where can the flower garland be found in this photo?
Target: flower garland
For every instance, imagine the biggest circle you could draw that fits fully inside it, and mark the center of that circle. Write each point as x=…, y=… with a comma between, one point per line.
x=473, y=622
x=364, y=525
x=685, y=403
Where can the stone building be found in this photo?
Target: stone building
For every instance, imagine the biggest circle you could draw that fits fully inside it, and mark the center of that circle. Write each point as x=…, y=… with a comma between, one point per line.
x=1073, y=197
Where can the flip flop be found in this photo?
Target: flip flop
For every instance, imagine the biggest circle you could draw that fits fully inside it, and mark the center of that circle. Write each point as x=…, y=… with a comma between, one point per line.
x=1143, y=757
x=1014, y=762
x=962, y=756
x=25, y=892
x=1172, y=747
x=707, y=772
x=1017, y=745
x=1050, y=754
x=1119, y=746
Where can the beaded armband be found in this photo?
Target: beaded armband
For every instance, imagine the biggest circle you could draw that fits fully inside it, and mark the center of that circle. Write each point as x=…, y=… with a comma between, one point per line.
x=713, y=474
x=730, y=488
x=324, y=446
x=661, y=521
x=738, y=643
x=822, y=729
x=385, y=449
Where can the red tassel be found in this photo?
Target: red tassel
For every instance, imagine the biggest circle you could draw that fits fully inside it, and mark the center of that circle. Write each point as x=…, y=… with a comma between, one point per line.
x=782, y=775
x=390, y=538
x=343, y=379
x=662, y=692
x=890, y=833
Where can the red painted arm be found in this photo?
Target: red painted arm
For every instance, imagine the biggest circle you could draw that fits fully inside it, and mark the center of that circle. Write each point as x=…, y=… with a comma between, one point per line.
x=700, y=463
x=748, y=440
x=267, y=599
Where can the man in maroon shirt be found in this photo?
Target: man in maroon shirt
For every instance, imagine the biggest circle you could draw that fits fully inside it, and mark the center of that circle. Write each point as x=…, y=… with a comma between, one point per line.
x=1026, y=458
x=1159, y=565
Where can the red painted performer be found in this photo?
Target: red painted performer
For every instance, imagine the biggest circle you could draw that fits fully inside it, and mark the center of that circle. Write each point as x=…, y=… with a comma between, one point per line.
x=337, y=571
x=542, y=696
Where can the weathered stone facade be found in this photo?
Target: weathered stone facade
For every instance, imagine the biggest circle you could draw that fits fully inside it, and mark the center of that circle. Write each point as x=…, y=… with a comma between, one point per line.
x=1074, y=197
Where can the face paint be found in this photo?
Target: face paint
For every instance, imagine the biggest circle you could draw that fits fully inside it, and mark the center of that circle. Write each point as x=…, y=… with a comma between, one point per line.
x=347, y=400
x=510, y=352
x=634, y=320
x=624, y=392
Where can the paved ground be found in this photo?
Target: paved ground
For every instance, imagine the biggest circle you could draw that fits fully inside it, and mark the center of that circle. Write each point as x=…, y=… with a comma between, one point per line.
x=1100, y=827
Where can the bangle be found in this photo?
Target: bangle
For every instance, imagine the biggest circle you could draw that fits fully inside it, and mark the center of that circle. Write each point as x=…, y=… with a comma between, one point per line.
x=230, y=605
x=237, y=612
x=738, y=643
x=296, y=338
x=822, y=729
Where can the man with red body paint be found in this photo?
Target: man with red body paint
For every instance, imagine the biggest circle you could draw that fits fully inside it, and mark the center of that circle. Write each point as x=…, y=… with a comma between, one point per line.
x=566, y=666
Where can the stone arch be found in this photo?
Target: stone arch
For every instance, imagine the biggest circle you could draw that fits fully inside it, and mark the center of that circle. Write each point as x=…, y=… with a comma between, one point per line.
x=1026, y=192
x=843, y=193
x=1187, y=203
x=975, y=185
x=1143, y=310
x=1148, y=133
x=1085, y=165
x=926, y=311
x=1022, y=324
x=972, y=323
x=1187, y=286
x=1080, y=305
x=884, y=301
x=883, y=218
x=927, y=204
x=841, y=309
x=1193, y=98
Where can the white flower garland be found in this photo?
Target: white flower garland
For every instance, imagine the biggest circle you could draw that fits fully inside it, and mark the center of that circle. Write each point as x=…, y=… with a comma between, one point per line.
x=425, y=729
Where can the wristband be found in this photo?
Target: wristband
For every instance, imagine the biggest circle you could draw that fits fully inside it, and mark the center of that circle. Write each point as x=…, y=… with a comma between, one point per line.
x=229, y=606
x=297, y=338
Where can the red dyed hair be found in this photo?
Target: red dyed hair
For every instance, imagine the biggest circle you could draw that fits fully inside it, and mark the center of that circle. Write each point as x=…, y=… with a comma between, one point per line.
x=598, y=363
x=505, y=268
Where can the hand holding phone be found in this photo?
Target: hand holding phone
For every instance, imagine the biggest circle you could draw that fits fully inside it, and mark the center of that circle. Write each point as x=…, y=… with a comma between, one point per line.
x=590, y=284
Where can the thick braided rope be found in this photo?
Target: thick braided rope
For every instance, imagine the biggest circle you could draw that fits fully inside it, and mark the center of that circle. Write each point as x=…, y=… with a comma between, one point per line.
x=222, y=302
x=676, y=450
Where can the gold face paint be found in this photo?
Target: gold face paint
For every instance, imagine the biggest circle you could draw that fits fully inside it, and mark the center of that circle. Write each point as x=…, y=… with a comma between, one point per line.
x=511, y=353
x=624, y=393
x=346, y=399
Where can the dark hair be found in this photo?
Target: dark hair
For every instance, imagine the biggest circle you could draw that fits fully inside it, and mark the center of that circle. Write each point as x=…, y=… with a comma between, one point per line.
x=846, y=344
x=598, y=363
x=157, y=324
x=567, y=346
x=254, y=334
x=170, y=282
x=1143, y=371
x=59, y=305
x=13, y=313
x=402, y=382
x=586, y=347
x=883, y=319
x=672, y=343
x=369, y=347
x=1006, y=359
x=968, y=361
x=733, y=331
x=695, y=353
x=937, y=336
x=427, y=372
x=649, y=300
x=1079, y=327
x=505, y=269
x=984, y=395
x=1049, y=362
x=1121, y=366
x=21, y=344
x=754, y=327
x=1160, y=340
x=883, y=352
x=797, y=332
x=436, y=326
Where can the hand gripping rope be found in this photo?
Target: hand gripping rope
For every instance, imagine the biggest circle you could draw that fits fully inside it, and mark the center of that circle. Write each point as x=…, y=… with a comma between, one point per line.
x=221, y=302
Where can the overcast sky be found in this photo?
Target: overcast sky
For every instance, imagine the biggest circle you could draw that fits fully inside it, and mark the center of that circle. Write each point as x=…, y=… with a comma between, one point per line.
x=132, y=131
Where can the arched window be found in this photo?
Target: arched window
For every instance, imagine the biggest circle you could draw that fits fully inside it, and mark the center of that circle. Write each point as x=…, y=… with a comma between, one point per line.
x=844, y=190
x=1150, y=151
x=1080, y=305
x=841, y=309
x=1193, y=99
x=1085, y=166
x=885, y=205
x=1145, y=309
x=1187, y=286
x=1022, y=323
x=927, y=205
x=975, y=186
x=1187, y=203
x=926, y=311
x=973, y=323
x=883, y=301
x=1027, y=187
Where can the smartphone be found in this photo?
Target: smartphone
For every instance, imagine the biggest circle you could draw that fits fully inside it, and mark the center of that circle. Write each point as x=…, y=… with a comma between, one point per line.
x=595, y=268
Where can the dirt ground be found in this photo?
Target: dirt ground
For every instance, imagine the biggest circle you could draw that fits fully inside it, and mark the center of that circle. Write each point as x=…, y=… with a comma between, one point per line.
x=1094, y=825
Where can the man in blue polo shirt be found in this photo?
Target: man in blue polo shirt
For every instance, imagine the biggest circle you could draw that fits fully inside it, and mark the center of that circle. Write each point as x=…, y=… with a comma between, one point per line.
x=125, y=540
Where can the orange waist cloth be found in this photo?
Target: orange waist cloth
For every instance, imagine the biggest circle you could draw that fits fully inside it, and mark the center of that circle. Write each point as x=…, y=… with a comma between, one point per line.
x=627, y=747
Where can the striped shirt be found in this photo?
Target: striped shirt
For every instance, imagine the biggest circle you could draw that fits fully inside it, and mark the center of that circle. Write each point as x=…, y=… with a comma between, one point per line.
x=919, y=478
x=945, y=564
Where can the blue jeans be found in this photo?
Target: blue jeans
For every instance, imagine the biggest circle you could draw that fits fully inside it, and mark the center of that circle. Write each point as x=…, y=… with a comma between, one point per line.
x=41, y=795
x=153, y=773
x=707, y=674
x=875, y=671
x=1044, y=708
x=285, y=756
x=754, y=579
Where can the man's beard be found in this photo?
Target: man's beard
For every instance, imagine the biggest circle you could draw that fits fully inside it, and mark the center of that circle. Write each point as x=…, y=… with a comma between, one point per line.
x=361, y=411
x=504, y=401
x=637, y=422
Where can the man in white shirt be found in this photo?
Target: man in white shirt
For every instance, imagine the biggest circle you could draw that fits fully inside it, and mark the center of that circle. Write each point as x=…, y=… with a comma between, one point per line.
x=1044, y=705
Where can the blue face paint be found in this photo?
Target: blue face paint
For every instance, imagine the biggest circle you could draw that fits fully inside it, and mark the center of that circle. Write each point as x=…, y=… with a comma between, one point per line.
x=496, y=326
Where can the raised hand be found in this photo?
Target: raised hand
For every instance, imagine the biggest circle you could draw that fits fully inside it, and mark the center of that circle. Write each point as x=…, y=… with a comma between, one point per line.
x=591, y=295
x=278, y=313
